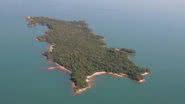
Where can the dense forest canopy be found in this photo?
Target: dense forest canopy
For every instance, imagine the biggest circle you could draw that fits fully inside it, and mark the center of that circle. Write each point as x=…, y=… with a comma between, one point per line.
x=83, y=52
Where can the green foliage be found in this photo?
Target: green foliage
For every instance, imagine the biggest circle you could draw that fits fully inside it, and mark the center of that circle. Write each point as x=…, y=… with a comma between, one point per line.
x=78, y=49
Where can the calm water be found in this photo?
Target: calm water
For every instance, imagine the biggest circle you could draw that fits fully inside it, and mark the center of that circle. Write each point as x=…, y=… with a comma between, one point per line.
x=155, y=28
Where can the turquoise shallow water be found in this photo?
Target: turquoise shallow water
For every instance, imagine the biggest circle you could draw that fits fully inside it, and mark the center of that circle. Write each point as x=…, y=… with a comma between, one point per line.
x=154, y=28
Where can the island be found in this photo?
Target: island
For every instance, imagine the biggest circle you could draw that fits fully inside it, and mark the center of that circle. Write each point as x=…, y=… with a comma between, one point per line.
x=77, y=50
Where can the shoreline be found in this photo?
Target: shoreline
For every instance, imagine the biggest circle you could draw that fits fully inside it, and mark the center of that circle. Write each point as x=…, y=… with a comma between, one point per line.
x=59, y=67
x=145, y=74
x=87, y=79
x=91, y=77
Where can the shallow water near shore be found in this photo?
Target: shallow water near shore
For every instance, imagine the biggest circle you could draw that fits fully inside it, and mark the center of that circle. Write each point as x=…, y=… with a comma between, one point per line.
x=155, y=29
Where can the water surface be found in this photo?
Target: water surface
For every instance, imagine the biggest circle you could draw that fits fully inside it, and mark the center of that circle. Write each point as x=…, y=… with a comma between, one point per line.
x=154, y=28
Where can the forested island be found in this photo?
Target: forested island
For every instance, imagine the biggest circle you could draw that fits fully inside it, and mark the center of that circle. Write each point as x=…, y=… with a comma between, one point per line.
x=77, y=50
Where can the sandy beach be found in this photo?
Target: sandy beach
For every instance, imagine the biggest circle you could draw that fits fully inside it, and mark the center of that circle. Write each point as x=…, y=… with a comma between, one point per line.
x=141, y=81
x=145, y=73
x=59, y=67
x=90, y=78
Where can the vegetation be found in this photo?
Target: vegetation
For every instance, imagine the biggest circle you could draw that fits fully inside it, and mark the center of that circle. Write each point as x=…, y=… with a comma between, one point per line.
x=83, y=52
